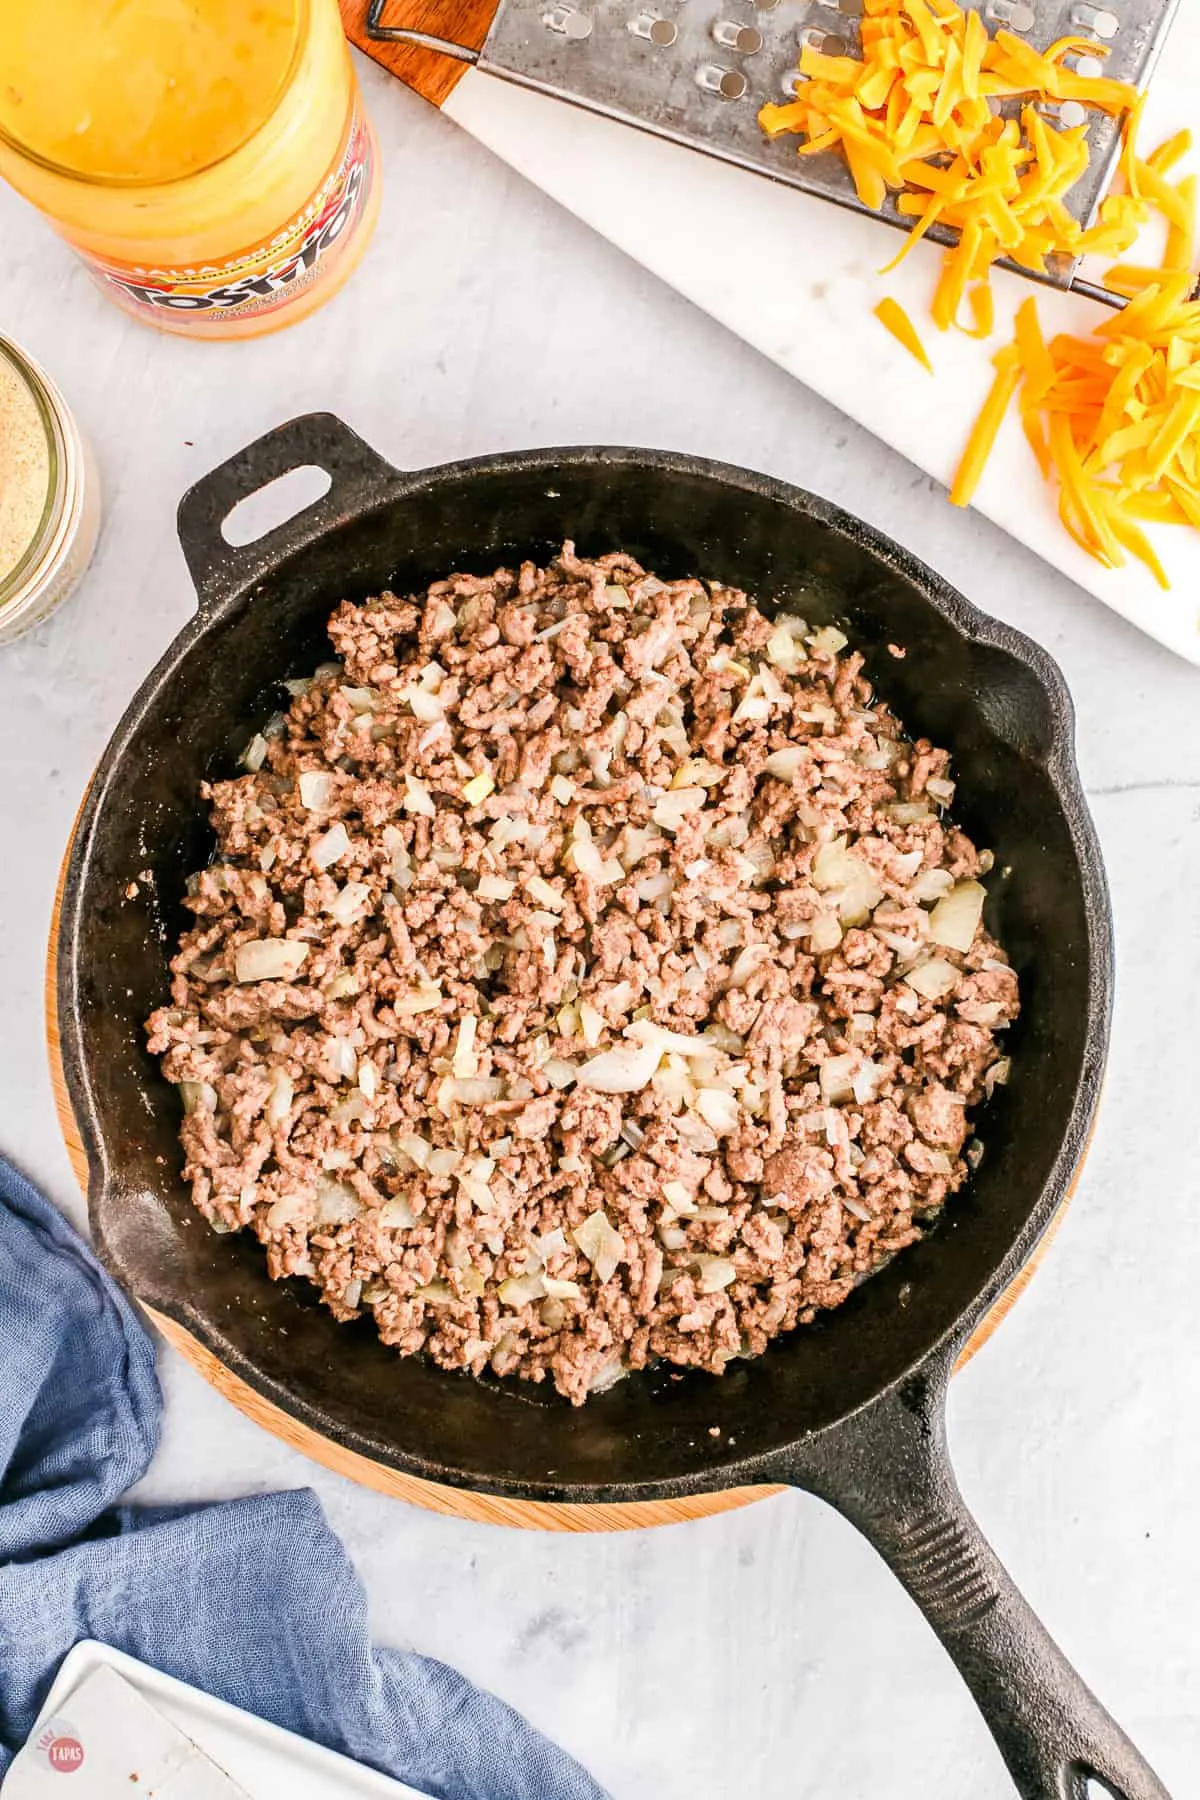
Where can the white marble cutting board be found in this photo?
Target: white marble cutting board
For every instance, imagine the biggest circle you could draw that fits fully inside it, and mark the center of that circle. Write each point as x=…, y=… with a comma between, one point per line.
x=796, y=277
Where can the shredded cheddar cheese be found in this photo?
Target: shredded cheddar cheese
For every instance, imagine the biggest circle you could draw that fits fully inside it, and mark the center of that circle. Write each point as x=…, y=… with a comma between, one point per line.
x=1113, y=418
x=960, y=128
x=914, y=116
x=893, y=318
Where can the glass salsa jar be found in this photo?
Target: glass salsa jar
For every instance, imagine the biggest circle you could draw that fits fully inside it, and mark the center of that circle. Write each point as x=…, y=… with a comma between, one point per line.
x=209, y=160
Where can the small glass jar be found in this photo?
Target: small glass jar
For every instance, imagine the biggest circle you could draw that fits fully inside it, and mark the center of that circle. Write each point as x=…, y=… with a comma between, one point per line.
x=49, y=496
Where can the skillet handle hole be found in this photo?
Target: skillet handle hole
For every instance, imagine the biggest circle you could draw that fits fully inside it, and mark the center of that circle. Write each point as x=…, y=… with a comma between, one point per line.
x=271, y=506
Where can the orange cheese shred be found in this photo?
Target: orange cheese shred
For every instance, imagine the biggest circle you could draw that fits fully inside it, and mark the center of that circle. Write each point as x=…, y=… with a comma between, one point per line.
x=914, y=112
x=986, y=427
x=893, y=318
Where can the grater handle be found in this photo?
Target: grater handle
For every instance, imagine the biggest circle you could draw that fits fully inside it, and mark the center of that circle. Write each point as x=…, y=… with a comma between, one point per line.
x=409, y=34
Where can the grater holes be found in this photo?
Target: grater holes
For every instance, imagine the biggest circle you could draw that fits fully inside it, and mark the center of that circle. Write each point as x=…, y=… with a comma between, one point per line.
x=728, y=84
x=828, y=42
x=654, y=29
x=745, y=40
x=569, y=22
x=1018, y=15
x=1097, y=19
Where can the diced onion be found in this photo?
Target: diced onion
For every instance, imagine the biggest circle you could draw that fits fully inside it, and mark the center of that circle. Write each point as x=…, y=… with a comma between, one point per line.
x=561, y=1290
x=591, y=1024
x=476, y=791
x=399, y=861
x=784, y=765
x=328, y=849
x=601, y=1243
x=697, y=771
x=678, y=1043
x=559, y=1072
x=340, y=1059
x=255, y=753
x=198, y=1096
x=349, y=903
x=867, y=1081
x=931, y=884
x=836, y=869
x=423, y=998
x=837, y=1076
x=337, y=1204
x=316, y=789
x=269, y=959
x=987, y=1013
x=280, y=1098
x=466, y=1063
x=673, y=807
x=363, y=699
x=621, y=1071
x=934, y=979
x=679, y=1197
x=716, y=1272
x=417, y=798
x=417, y=1149
x=825, y=933
x=747, y=962
x=396, y=1214
x=719, y=1109
x=495, y=887
x=603, y=870
x=829, y=641
x=425, y=706
x=997, y=1075
x=955, y=919
x=522, y=1290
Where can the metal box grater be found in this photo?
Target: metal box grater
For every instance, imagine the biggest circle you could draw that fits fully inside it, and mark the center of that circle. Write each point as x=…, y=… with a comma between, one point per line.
x=697, y=71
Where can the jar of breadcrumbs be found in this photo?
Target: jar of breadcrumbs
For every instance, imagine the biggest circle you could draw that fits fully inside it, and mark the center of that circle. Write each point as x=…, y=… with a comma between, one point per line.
x=49, y=495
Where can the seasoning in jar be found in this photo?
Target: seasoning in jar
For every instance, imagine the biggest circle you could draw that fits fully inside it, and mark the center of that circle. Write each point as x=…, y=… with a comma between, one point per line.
x=210, y=160
x=24, y=469
x=49, y=496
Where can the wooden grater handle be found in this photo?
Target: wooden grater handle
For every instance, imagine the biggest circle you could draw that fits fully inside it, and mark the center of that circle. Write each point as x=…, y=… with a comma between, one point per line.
x=427, y=72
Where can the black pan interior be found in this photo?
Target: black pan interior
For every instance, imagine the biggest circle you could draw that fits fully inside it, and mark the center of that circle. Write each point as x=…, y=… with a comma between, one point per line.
x=991, y=698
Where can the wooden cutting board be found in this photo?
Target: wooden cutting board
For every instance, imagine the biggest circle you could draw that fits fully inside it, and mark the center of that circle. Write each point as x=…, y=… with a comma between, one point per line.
x=485, y=1509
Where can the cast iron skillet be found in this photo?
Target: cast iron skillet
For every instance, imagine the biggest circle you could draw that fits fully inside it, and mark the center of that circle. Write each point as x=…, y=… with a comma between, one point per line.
x=852, y=1410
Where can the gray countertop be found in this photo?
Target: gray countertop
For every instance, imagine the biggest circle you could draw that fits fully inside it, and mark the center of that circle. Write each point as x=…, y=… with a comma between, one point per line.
x=765, y=1652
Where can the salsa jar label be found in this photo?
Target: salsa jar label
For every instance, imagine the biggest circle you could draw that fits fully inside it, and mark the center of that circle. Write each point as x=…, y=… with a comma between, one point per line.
x=268, y=276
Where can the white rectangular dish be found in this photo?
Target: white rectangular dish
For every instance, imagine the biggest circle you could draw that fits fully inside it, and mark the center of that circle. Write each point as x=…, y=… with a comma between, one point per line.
x=265, y=1761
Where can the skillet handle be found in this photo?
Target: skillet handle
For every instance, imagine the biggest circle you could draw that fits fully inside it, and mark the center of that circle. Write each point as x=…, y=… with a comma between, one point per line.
x=357, y=476
x=888, y=1471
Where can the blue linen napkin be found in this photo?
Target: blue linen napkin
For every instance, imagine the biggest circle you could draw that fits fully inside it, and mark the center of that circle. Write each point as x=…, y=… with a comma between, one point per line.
x=254, y=1600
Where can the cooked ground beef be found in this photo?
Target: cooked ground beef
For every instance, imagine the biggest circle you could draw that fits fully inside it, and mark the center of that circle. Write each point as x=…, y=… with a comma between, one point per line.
x=589, y=974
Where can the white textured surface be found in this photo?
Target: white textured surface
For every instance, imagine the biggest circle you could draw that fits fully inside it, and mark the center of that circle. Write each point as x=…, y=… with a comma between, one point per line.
x=798, y=279
x=766, y=1653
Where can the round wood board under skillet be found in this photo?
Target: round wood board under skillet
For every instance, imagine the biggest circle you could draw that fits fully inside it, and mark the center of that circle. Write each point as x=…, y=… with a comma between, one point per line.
x=487, y=1509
